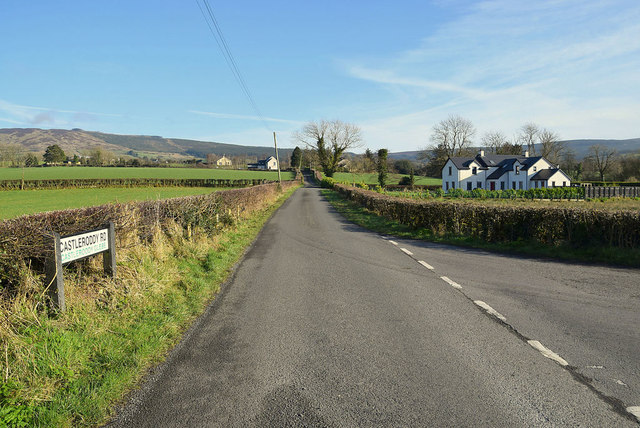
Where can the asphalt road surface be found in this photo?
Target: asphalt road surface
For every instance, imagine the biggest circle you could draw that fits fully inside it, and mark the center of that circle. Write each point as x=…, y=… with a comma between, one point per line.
x=327, y=324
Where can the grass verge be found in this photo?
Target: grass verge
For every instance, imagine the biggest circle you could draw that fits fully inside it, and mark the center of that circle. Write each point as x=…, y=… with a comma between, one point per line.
x=363, y=217
x=71, y=369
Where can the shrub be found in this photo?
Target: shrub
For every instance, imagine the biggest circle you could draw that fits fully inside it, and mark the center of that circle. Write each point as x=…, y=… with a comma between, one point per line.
x=550, y=226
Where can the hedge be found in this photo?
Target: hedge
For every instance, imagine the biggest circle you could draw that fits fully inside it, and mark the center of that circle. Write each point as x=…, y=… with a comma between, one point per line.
x=26, y=242
x=550, y=226
x=126, y=182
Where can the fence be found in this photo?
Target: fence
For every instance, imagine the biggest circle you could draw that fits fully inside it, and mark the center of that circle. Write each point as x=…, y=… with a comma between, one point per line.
x=611, y=192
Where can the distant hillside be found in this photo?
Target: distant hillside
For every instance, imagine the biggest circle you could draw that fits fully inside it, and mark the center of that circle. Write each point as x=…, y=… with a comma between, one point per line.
x=579, y=147
x=77, y=141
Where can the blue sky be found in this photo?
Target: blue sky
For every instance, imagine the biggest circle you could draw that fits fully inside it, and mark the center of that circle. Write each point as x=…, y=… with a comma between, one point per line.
x=395, y=68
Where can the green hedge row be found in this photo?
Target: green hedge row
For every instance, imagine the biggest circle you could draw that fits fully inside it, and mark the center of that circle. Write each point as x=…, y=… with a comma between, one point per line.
x=550, y=226
x=26, y=242
x=126, y=182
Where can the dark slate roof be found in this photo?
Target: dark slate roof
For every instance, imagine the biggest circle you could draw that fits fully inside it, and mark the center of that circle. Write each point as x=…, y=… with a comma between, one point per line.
x=528, y=162
x=544, y=174
x=461, y=163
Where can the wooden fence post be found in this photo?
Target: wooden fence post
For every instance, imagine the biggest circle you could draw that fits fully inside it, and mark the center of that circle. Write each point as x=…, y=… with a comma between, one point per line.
x=109, y=257
x=54, y=279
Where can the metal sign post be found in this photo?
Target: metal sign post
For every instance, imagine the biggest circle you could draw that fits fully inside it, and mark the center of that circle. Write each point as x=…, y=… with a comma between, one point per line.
x=77, y=247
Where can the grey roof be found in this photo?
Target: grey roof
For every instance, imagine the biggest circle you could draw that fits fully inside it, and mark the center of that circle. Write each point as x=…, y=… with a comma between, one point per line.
x=461, y=163
x=544, y=174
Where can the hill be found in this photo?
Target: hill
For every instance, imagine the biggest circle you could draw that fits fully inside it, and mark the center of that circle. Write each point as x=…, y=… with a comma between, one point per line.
x=77, y=141
x=579, y=147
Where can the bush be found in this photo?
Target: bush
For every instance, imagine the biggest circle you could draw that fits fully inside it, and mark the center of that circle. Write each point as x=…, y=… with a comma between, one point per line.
x=549, y=226
x=27, y=240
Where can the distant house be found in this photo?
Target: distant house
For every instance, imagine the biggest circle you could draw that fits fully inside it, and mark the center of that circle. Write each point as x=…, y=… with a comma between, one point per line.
x=268, y=164
x=501, y=172
x=224, y=161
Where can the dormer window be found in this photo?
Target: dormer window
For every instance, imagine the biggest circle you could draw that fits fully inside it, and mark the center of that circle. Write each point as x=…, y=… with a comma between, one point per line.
x=474, y=170
x=517, y=169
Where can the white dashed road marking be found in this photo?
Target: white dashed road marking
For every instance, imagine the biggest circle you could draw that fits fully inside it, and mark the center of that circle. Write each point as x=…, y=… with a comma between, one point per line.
x=451, y=283
x=635, y=411
x=404, y=250
x=548, y=352
x=393, y=242
x=425, y=264
x=490, y=310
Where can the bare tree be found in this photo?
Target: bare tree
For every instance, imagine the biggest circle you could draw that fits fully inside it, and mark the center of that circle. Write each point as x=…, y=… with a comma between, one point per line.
x=453, y=135
x=528, y=136
x=329, y=139
x=493, y=141
x=603, y=158
x=550, y=147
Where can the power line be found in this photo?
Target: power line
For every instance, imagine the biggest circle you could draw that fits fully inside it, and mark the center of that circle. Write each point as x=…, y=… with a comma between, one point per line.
x=210, y=19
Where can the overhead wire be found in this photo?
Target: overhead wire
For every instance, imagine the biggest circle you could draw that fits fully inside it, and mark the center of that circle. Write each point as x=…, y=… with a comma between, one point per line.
x=210, y=18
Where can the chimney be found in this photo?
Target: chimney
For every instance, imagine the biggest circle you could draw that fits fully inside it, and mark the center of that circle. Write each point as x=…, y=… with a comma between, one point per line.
x=526, y=153
x=481, y=153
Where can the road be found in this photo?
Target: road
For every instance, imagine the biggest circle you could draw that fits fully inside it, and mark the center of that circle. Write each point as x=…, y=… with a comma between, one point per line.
x=327, y=324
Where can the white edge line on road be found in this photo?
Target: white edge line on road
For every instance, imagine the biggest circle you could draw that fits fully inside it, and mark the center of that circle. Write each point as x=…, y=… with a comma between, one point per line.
x=451, y=283
x=635, y=411
x=425, y=264
x=393, y=242
x=490, y=310
x=547, y=352
x=404, y=250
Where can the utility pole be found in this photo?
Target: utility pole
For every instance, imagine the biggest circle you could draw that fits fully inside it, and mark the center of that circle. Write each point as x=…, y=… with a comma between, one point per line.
x=275, y=143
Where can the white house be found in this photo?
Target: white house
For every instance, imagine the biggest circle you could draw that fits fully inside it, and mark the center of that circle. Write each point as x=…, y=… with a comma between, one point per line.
x=224, y=161
x=501, y=172
x=269, y=164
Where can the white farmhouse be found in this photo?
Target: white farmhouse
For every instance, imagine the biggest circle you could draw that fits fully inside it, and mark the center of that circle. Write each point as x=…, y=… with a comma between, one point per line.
x=501, y=172
x=224, y=161
x=269, y=164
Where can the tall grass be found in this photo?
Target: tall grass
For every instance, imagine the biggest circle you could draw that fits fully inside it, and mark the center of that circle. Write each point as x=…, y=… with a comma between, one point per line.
x=69, y=369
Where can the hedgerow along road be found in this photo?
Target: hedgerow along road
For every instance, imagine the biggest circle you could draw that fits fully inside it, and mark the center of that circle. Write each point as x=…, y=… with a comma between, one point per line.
x=327, y=324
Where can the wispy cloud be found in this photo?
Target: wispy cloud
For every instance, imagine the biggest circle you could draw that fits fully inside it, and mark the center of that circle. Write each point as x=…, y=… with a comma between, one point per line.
x=244, y=117
x=568, y=64
x=33, y=115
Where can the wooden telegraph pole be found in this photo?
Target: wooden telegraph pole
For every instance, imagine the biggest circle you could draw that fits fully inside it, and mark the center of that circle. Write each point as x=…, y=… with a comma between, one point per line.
x=275, y=143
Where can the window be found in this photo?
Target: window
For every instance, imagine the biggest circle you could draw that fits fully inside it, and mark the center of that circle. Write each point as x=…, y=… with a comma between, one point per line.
x=502, y=186
x=564, y=183
x=535, y=168
x=535, y=184
x=469, y=185
x=447, y=184
x=449, y=170
x=474, y=170
x=479, y=185
x=517, y=169
x=553, y=183
x=520, y=185
x=542, y=184
x=513, y=185
x=453, y=184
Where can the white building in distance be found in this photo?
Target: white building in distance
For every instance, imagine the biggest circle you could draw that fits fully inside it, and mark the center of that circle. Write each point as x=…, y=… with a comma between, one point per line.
x=501, y=172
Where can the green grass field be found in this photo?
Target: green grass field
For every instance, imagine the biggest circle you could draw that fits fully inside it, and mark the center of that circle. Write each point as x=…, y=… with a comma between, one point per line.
x=372, y=178
x=14, y=203
x=59, y=172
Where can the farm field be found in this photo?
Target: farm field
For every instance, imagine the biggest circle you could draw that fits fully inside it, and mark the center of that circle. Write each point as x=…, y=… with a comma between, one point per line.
x=612, y=204
x=73, y=172
x=14, y=203
x=393, y=179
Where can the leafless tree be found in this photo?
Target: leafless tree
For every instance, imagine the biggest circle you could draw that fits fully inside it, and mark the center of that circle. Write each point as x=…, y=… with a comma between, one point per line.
x=528, y=137
x=329, y=139
x=550, y=147
x=603, y=158
x=453, y=135
x=493, y=141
